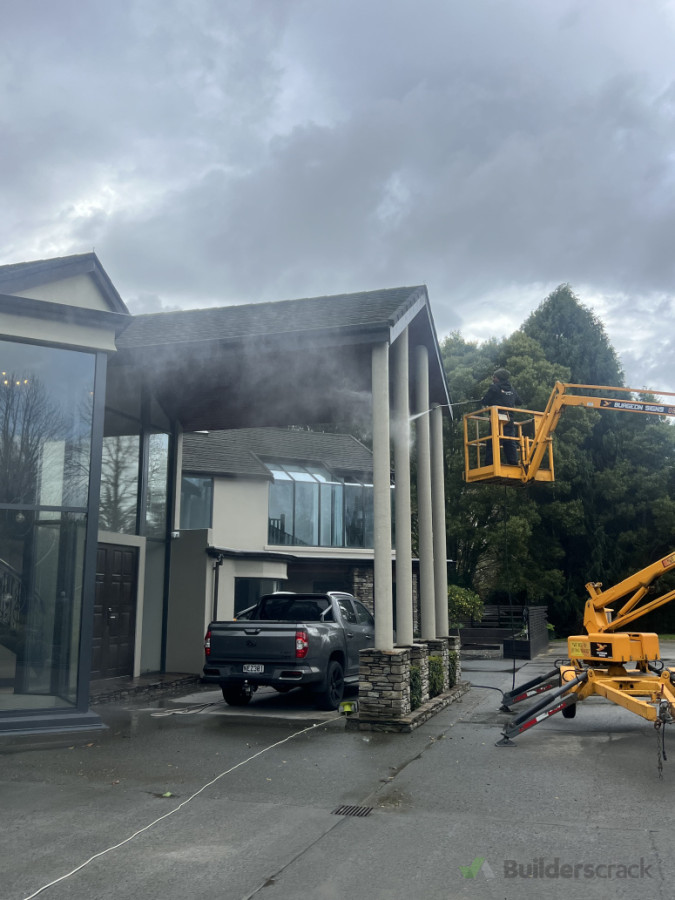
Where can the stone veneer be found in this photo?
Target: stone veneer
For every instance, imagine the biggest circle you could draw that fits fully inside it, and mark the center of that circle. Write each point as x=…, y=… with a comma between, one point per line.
x=363, y=587
x=384, y=686
x=384, y=683
x=454, y=647
x=439, y=647
x=419, y=656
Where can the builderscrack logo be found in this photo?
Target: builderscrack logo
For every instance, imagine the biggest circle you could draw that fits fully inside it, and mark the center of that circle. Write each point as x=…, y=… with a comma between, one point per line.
x=480, y=864
x=541, y=867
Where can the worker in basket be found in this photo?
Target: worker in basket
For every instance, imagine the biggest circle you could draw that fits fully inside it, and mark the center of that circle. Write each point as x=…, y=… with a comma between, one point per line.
x=501, y=393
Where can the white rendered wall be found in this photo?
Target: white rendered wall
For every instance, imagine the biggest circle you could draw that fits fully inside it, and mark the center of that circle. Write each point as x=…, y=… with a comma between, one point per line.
x=240, y=510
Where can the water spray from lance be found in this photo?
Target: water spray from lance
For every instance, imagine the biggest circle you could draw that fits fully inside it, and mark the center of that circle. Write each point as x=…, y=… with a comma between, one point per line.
x=431, y=409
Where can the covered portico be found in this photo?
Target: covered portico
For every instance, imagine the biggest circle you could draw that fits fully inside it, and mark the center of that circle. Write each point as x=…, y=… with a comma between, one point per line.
x=370, y=358
x=88, y=584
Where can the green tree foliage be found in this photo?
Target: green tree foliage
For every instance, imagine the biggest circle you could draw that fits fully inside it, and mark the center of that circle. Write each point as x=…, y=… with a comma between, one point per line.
x=570, y=334
x=610, y=510
x=463, y=605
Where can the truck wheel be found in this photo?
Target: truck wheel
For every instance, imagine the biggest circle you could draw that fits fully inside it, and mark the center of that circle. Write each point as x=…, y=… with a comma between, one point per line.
x=235, y=696
x=333, y=691
x=569, y=712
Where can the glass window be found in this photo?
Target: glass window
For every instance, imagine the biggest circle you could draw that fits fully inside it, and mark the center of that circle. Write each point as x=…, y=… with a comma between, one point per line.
x=119, y=484
x=347, y=610
x=310, y=506
x=41, y=567
x=307, y=513
x=278, y=473
x=281, y=512
x=362, y=614
x=157, y=494
x=46, y=406
x=319, y=473
x=354, y=516
x=196, y=502
x=247, y=592
x=368, y=516
x=298, y=473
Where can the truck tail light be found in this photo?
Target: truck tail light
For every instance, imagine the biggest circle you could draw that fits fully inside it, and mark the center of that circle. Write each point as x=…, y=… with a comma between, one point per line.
x=207, y=643
x=301, y=644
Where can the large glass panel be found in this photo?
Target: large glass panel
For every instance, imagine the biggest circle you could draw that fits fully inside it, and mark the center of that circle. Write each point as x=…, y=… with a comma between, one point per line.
x=46, y=404
x=368, y=516
x=119, y=484
x=354, y=516
x=280, y=512
x=196, y=502
x=307, y=513
x=40, y=608
x=278, y=472
x=298, y=473
x=319, y=473
x=310, y=506
x=157, y=495
x=332, y=509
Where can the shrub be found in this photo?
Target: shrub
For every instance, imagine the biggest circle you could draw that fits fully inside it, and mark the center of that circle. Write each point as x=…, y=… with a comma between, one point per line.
x=436, y=679
x=415, y=687
x=452, y=667
x=463, y=604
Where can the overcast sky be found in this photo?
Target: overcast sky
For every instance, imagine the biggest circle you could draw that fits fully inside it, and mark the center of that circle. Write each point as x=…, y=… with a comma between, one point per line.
x=229, y=151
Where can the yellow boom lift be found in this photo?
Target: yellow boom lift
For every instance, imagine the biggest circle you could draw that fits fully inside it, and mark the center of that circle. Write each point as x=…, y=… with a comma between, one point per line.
x=534, y=431
x=623, y=666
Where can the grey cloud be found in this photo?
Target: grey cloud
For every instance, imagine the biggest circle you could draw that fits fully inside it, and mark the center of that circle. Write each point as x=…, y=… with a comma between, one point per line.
x=218, y=152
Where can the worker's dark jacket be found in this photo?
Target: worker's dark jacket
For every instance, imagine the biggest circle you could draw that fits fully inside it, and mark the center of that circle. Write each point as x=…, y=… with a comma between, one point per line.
x=501, y=394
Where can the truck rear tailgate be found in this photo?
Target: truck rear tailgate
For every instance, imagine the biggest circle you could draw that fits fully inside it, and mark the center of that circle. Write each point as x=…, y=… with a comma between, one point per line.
x=266, y=642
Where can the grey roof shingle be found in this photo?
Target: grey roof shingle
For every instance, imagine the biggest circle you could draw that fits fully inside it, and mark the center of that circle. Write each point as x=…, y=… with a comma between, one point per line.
x=359, y=310
x=239, y=452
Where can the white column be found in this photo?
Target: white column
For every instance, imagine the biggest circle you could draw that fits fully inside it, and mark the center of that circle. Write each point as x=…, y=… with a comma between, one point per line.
x=401, y=439
x=384, y=625
x=438, y=520
x=424, y=515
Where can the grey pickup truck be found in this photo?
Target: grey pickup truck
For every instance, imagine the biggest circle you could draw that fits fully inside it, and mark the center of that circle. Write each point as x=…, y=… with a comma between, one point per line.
x=288, y=640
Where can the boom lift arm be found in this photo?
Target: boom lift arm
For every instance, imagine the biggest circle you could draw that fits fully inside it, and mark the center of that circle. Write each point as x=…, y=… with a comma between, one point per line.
x=534, y=431
x=598, y=659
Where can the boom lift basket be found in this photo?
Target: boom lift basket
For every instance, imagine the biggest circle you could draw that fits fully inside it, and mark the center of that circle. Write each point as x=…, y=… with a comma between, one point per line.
x=622, y=666
x=485, y=428
x=495, y=427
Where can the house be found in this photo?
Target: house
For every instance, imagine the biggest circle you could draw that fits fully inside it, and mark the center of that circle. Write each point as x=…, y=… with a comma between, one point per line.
x=94, y=405
x=268, y=509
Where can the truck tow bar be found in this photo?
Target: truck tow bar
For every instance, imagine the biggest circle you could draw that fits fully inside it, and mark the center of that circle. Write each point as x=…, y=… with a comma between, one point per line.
x=530, y=689
x=529, y=717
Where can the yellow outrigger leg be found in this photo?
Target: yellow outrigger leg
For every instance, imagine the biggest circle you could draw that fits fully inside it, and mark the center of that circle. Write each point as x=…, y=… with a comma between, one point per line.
x=623, y=667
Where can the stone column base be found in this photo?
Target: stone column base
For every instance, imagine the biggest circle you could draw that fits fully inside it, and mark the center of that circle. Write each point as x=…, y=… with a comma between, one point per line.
x=439, y=647
x=419, y=656
x=384, y=683
x=454, y=645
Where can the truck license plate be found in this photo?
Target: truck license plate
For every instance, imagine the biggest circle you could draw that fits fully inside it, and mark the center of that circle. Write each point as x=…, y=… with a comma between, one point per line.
x=253, y=667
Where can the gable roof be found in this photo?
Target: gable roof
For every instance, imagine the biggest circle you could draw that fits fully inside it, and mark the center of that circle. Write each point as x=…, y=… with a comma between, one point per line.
x=240, y=452
x=26, y=275
x=362, y=310
x=293, y=362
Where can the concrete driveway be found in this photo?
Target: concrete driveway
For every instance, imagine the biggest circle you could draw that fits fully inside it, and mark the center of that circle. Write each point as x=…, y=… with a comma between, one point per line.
x=188, y=798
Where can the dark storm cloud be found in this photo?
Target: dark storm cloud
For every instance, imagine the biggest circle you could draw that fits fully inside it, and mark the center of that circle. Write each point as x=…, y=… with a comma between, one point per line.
x=218, y=152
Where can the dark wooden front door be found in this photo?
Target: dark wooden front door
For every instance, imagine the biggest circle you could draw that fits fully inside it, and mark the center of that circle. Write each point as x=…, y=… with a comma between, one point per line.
x=114, y=611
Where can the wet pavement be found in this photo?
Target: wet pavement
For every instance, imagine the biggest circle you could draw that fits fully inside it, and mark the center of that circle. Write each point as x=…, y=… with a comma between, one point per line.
x=182, y=796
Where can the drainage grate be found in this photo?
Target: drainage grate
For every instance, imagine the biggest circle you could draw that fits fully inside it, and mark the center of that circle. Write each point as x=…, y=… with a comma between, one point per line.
x=352, y=811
